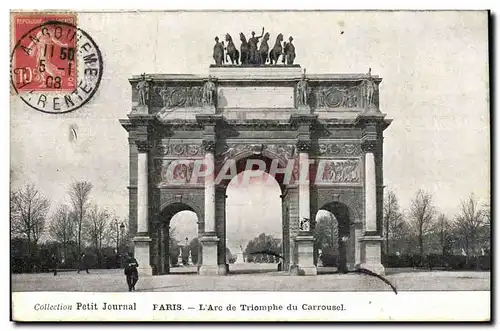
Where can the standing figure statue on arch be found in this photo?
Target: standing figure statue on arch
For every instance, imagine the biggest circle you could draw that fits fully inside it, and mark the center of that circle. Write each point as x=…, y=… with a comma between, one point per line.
x=370, y=90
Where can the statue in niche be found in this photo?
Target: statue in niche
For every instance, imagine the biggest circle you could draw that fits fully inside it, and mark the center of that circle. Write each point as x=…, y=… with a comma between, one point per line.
x=303, y=90
x=370, y=88
x=208, y=92
x=143, y=89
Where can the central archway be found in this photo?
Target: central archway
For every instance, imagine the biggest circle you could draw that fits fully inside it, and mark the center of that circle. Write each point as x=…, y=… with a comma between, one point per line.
x=254, y=222
x=258, y=190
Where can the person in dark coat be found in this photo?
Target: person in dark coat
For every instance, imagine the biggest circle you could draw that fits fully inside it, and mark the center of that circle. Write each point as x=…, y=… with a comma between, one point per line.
x=55, y=262
x=131, y=271
x=83, y=264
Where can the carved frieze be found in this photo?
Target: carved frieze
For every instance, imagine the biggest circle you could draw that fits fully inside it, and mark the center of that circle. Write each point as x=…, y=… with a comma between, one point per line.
x=165, y=149
x=340, y=171
x=335, y=149
x=181, y=96
x=337, y=97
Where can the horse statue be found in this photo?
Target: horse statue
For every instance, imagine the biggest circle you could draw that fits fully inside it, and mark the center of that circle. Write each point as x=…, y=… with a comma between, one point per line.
x=264, y=49
x=218, y=52
x=244, y=49
x=231, y=50
x=277, y=50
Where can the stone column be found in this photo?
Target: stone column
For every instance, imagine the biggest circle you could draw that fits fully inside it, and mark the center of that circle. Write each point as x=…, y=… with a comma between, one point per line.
x=220, y=229
x=209, y=240
x=142, y=240
x=370, y=192
x=209, y=194
x=304, y=193
x=305, y=241
x=161, y=250
x=371, y=255
x=358, y=234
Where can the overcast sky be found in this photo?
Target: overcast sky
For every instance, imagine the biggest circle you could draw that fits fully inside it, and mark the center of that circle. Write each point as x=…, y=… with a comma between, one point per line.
x=434, y=67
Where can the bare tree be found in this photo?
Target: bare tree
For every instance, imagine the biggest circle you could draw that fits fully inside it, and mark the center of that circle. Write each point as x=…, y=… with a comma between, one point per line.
x=422, y=214
x=96, y=223
x=469, y=222
x=79, y=193
x=486, y=229
x=29, y=210
x=62, y=228
x=392, y=219
x=443, y=228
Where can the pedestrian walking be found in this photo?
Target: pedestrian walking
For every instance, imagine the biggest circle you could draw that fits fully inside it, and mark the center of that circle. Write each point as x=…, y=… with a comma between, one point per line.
x=131, y=271
x=55, y=263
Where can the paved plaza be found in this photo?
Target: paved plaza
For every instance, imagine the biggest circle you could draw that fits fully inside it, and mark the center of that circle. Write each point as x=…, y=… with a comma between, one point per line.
x=254, y=277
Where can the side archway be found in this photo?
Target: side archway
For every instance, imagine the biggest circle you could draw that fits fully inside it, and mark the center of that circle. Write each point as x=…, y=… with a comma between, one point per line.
x=342, y=229
x=166, y=257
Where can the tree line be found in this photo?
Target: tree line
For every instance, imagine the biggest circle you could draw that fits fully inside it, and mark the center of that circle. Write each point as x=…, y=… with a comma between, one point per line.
x=423, y=231
x=81, y=226
x=74, y=228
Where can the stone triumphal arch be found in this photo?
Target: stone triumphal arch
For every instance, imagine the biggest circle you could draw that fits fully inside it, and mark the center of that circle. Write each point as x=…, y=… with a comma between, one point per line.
x=329, y=124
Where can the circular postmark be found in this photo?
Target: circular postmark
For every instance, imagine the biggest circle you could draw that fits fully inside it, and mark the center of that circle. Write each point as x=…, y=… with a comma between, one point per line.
x=56, y=67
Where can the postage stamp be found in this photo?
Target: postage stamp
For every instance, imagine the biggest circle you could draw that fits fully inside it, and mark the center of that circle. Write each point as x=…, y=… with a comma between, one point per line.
x=253, y=166
x=55, y=66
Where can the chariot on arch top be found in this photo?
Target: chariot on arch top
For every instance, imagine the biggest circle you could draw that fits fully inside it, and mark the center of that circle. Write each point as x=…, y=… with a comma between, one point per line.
x=251, y=53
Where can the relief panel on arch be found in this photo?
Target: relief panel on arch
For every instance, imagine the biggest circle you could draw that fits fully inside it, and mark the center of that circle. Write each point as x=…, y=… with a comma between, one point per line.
x=170, y=172
x=338, y=171
x=339, y=148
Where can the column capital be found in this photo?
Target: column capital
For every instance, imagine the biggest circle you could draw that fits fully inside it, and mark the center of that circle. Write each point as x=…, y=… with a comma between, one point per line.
x=303, y=146
x=303, y=119
x=208, y=146
x=369, y=146
x=144, y=145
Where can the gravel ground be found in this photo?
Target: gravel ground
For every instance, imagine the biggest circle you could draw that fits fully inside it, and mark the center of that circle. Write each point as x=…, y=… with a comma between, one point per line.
x=254, y=277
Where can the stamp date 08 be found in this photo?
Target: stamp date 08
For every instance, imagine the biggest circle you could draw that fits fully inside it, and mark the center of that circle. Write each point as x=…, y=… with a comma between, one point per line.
x=56, y=67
